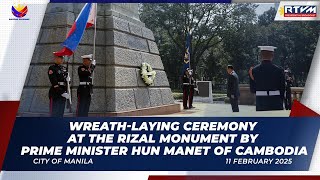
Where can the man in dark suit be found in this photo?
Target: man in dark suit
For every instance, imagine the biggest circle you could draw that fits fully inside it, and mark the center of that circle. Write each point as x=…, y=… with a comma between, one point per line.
x=267, y=81
x=233, y=88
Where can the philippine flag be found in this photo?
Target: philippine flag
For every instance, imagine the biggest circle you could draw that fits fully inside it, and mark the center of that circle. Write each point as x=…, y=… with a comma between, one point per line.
x=85, y=20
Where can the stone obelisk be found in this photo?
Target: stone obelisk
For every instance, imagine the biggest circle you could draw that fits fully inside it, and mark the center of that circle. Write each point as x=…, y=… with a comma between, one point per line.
x=123, y=43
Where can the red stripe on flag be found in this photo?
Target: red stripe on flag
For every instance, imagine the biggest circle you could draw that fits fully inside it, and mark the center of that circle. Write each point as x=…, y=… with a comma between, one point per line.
x=89, y=25
x=73, y=28
x=234, y=178
x=8, y=111
x=300, y=110
x=64, y=52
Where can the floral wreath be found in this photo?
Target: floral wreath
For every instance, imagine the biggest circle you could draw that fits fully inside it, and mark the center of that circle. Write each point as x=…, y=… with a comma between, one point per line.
x=147, y=74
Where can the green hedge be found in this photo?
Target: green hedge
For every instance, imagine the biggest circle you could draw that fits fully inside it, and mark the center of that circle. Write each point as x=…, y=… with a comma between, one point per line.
x=177, y=96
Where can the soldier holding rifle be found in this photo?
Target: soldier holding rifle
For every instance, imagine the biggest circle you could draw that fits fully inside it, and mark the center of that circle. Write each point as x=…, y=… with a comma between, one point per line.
x=59, y=79
x=289, y=83
x=188, y=89
x=84, y=92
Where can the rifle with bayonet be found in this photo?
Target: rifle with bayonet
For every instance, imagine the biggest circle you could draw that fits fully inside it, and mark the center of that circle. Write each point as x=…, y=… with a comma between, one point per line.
x=68, y=79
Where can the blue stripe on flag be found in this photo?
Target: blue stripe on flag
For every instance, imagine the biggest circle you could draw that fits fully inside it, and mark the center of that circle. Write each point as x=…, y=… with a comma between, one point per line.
x=186, y=59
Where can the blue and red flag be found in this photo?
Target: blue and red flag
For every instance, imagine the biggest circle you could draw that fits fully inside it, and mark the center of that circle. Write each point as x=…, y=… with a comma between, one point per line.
x=186, y=59
x=85, y=20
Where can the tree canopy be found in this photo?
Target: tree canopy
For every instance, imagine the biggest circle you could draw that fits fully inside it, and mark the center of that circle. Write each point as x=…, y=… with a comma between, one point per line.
x=225, y=34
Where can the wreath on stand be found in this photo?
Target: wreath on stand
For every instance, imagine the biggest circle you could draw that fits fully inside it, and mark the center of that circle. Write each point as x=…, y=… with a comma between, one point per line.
x=147, y=74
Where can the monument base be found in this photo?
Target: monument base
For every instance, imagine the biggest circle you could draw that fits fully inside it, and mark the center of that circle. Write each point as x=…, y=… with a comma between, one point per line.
x=158, y=110
x=123, y=43
x=205, y=92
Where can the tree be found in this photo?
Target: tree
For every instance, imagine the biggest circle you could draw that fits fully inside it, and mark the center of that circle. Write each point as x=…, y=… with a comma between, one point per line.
x=267, y=17
x=225, y=34
x=295, y=42
x=210, y=24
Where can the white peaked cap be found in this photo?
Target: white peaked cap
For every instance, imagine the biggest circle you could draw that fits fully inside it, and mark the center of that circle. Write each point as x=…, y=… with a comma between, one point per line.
x=88, y=56
x=267, y=48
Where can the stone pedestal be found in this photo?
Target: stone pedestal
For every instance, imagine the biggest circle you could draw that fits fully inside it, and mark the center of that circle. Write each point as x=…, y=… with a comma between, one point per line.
x=123, y=43
x=205, y=92
x=246, y=97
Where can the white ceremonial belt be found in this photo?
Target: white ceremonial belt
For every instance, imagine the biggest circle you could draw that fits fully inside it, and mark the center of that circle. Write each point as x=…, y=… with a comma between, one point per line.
x=85, y=83
x=267, y=93
x=62, y=83
x=186, y=84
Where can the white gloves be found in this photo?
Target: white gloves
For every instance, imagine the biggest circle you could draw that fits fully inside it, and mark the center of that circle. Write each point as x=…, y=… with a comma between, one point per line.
x=94, y=62
x=232, y=96
x=66, y=95
x=68, y=79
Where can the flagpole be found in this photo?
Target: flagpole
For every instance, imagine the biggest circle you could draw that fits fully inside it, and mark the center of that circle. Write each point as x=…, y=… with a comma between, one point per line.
x=189, y=32
x=190, y=51
x=94, y=36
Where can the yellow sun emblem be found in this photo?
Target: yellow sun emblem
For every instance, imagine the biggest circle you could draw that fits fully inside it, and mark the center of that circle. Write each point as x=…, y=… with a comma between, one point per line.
x=19, y=6
x=281, y=11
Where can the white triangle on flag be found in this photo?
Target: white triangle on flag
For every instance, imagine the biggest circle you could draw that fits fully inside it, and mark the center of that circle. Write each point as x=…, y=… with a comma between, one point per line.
x=92, y=15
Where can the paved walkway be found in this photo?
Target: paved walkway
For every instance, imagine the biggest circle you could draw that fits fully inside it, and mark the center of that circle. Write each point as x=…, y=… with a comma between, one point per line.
x=224, y=110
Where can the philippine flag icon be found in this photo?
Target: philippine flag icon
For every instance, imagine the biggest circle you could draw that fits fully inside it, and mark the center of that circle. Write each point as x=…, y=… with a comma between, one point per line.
x=19, y=10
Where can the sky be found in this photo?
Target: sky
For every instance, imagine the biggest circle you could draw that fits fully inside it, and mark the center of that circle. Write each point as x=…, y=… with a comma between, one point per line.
x=264, y=7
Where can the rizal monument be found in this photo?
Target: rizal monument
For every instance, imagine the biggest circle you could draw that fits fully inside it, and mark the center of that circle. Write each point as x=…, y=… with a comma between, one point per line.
x=123, y=43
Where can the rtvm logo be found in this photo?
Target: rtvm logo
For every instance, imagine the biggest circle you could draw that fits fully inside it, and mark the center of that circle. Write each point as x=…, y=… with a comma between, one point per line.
x=300, y=11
